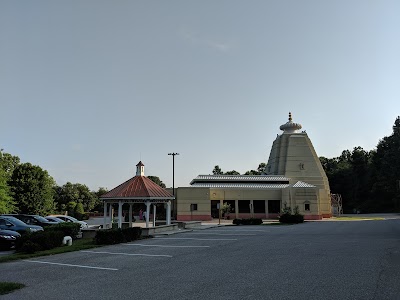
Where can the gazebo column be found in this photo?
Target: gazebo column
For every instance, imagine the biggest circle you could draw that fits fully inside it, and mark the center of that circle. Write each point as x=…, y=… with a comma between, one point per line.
x=119, y=214
x=110, y=214
x=168, y=213
x=154, y=214
x=147, y=213
x=105, y=215
x=130, y=214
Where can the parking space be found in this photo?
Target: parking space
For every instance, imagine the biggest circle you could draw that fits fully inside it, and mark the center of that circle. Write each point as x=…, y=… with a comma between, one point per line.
x=130, y=255
x=222, y=263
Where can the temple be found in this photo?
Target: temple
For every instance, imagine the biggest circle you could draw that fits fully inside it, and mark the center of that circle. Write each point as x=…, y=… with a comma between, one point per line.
x=293, y=177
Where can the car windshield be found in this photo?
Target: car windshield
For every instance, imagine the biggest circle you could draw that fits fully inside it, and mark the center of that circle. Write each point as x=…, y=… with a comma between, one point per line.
x=72, y=219
x=41, y=219
x=14, y=220
x=54, y=219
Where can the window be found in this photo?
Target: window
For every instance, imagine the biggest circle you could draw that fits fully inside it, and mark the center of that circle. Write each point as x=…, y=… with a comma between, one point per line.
x=259, y=206
x=244, y=206
x=193, y=207
x=307, y=206
x=274, y=206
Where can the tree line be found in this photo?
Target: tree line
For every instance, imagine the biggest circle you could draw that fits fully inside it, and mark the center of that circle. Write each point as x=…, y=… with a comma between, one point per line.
x=369, y=181
x=218, y=171
x=28, y=189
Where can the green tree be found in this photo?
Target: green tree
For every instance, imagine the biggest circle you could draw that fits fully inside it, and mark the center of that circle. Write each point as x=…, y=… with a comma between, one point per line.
x=6, y=201
x=32, y=189
x=217, y=170
x=259, y=171
x=233, y=172
x=74, y=192
x=99, y=205
x=8, y=163
x=79, y=211
x=261, y=168
x=386, y=171
x=157, y=180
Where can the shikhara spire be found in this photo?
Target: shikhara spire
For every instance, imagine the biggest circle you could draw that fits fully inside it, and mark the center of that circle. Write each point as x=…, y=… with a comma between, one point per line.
x=290, y=126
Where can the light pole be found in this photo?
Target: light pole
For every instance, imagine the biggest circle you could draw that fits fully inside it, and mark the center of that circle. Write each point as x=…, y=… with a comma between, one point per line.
x=173, y=171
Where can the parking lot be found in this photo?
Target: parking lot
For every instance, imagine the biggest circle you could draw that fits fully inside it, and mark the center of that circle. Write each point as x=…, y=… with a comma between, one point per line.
x=316, y=260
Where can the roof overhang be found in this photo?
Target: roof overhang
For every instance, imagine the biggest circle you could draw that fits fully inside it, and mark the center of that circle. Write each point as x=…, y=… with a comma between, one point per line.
x=136, y=199
x=244, y=179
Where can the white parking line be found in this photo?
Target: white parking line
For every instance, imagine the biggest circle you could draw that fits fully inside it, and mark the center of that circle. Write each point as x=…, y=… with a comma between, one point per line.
x=160, y=238
x=209, y=233
x=239, y=230
x=166, y=246
x=128, y=254
x=69, y=265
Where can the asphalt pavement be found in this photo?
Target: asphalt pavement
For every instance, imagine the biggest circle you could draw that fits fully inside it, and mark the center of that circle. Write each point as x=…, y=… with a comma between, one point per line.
x=314, y=260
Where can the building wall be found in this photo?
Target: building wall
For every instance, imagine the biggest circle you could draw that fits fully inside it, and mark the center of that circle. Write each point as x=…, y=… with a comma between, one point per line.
x=203, y=197
x=185, y=197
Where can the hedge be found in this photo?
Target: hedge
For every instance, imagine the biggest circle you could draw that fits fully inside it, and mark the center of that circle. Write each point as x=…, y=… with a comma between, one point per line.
x=70, y=229
x=117, y=235
x=38, y=241
x=291, y=219
x=250, y=221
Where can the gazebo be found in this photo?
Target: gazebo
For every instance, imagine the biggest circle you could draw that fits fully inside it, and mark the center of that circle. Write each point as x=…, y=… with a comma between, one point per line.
x=138, y=189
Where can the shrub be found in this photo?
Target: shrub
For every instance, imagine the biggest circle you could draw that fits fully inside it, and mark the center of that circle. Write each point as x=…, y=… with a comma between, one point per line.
x=40, y=240
x=117, y=235
x=71, y=229
x=291, y=218
x=29, y=247
x=132, y=233
x=250, y=221
x=236, y=221
x=109, y=236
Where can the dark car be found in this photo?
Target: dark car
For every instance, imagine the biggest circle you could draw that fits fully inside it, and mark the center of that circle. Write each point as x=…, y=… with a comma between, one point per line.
x=8, y=239
x=14, y=224
x=32, y=219
x=54, y=219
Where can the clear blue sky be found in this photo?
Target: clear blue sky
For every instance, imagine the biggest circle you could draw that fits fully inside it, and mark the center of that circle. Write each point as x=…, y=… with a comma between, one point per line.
x=89, y=88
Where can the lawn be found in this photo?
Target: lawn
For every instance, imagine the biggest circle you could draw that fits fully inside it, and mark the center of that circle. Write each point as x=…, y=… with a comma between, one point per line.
x=8, y=287
x=77, y=245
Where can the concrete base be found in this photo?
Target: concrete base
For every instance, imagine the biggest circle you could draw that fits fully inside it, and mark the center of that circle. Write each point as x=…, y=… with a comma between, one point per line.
x=187, y=224
x=89, y=233
x=147, y=231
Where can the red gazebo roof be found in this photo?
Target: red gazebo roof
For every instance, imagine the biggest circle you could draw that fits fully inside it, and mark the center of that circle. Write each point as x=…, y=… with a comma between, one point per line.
x=138, y=187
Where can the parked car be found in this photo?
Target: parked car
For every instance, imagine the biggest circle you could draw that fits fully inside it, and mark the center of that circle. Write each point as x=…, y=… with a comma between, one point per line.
x=32, y=219
x=8, y=239
x=14, y=224
x=71, y=219
x=54, y=219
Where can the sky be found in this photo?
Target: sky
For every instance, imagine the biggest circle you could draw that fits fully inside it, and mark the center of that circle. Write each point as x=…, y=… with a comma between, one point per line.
x=88, y=88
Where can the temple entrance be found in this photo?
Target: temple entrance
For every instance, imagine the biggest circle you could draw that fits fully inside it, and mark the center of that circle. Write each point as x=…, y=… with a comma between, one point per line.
x=214, y=209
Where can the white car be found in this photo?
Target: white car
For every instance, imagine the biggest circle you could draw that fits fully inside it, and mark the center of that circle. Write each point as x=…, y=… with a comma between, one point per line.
x=72, y=220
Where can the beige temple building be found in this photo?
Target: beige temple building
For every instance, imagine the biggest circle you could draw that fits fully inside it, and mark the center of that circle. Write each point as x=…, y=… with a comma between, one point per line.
x=293, y=177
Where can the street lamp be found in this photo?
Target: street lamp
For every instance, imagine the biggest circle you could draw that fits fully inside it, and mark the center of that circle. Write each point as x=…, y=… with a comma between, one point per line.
x=173, y=171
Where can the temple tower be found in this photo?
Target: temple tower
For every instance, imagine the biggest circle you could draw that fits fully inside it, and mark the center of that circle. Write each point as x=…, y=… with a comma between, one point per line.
x=293, y=156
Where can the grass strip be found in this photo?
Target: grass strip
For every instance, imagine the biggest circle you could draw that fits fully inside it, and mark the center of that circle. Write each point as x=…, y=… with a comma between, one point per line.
x=77, y=245
x=8, y=287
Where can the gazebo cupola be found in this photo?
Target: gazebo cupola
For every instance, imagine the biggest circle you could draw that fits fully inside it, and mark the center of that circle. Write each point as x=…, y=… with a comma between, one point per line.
x=140, y=169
